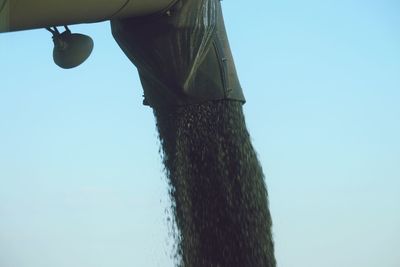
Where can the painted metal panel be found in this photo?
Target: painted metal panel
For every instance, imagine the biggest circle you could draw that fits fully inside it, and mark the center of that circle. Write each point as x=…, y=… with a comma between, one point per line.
x=4, y=15
x=31, y=14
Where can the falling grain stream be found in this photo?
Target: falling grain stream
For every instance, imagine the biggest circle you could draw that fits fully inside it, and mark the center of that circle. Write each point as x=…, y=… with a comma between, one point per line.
x=216, y=184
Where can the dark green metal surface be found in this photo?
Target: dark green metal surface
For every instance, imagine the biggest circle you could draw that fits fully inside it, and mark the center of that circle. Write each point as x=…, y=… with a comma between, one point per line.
x=183, y=55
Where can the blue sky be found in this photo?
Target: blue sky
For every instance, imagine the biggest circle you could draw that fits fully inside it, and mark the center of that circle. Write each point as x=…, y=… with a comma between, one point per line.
x=81, y=181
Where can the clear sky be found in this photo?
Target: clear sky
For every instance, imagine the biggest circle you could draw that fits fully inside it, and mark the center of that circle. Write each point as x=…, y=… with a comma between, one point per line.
x=81, y=180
